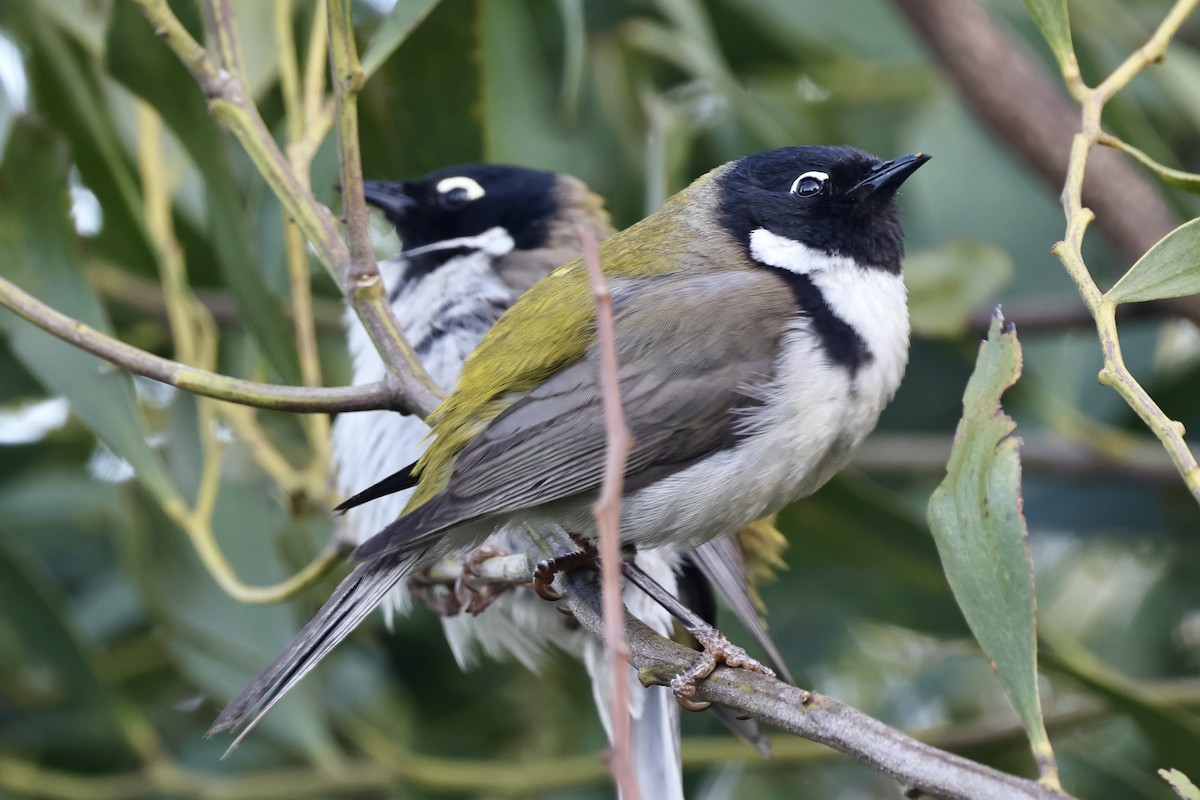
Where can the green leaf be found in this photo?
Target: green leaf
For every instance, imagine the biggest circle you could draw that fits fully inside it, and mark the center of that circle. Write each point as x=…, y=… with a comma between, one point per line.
x=142, y=63
x=37, y=253
x=218, y=643
x=402, y=20
x=1171, y=268
x=1180, y=783
x=414, y=126
x=977, y=522
x=46, y=671
x=1051, y=19
x=1188, y=181
x=946, y=284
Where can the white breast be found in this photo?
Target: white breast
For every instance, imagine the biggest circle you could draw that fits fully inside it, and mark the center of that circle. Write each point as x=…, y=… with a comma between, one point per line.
x=817, y=411
x=370, y=445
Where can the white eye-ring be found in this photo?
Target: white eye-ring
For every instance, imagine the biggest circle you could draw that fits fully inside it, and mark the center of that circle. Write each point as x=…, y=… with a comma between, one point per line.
x=460, y=188
x=810, y=183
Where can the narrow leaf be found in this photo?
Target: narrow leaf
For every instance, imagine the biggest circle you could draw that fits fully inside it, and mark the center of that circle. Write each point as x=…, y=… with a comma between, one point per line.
x=404, y=17
x=37, y=253
x=1171, y=268
x=1051, y=19
x=1188, y=181
x=978, y=525
x=1180, y=783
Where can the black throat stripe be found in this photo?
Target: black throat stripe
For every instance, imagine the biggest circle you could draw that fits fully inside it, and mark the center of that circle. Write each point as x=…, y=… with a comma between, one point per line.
x=839, y=339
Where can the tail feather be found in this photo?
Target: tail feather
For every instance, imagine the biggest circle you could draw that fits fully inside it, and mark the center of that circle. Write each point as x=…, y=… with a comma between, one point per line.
x=657, y=760
x=354, y=599
x=722, y=563
x=396, y=482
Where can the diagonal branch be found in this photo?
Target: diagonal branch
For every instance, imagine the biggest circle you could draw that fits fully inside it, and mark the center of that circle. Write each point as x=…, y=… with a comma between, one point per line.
x=228, y=100
x=922, y=769
x=193, y=379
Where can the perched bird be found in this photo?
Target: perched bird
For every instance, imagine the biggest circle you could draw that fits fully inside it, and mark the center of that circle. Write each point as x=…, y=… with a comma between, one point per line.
x=761, y=327
x=474, y=238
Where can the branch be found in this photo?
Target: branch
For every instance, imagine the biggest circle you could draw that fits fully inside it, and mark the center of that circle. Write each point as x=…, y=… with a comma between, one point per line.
x=918, y=767
x=607, y=511
x=359, y=276
x=1070, y=250
x=198, y=381
x=1012, y=95
x=1007, y=88
x=228, y=102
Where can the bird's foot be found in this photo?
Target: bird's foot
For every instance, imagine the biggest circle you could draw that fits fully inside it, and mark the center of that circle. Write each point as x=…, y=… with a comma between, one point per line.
x=547, y=570
x=716, y=650
x=433, y=593
x=472, y=597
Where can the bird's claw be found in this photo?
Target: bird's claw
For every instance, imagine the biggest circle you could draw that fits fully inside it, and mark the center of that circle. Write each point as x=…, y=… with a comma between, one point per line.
x=547, y=570
x=472, y=598
x=716, y=649
x=447, y=598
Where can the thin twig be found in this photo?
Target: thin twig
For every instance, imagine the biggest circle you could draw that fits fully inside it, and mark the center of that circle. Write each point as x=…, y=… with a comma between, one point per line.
x=229, y=103
x=1070, y=250
x=608, y=520
x=367, y=397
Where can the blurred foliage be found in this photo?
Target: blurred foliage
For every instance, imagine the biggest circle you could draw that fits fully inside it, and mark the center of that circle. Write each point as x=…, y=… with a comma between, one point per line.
x=117, y=647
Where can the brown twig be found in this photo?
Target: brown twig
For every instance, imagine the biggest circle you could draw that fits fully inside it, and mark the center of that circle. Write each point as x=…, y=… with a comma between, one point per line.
x=917, y=766
x=608, y=520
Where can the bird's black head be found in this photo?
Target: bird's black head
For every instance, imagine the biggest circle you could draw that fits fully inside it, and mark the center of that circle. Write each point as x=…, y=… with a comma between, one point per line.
x=466, y=201
x=834, y=200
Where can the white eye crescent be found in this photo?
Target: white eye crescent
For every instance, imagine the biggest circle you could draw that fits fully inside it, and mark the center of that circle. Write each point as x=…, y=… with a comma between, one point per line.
x=810, y=183
x=461, y=188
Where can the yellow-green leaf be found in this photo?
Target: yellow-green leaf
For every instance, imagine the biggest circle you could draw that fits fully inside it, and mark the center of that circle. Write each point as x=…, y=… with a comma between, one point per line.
x=1051, y=19
x=1171, y=268
x=1188, y=181
x=978, y=525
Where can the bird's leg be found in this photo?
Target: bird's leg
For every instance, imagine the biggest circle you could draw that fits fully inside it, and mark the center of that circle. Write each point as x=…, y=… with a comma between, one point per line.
x=546, y=571
x=475, y=599
x=715, y=648
x=434, y=594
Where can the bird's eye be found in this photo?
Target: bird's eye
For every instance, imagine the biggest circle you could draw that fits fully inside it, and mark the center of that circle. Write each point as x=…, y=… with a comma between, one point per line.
x=810, y=184
x=456, y=192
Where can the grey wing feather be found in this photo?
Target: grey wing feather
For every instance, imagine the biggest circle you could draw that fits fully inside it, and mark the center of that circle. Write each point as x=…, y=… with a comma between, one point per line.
x=683, y=390
x=724, y=566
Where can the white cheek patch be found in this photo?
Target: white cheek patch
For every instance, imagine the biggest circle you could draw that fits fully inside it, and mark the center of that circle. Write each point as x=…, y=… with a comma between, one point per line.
x=781, y=252
x=473, y=189
x=494, y=242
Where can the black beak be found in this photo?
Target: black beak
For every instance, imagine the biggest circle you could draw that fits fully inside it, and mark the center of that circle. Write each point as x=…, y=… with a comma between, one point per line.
x=388, y=197
x=888, y=175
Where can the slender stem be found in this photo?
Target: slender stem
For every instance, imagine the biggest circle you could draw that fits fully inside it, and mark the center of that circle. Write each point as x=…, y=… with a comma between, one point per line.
x=607, y=511
x=361, y=278
x=1070, y=250
x=367, y=397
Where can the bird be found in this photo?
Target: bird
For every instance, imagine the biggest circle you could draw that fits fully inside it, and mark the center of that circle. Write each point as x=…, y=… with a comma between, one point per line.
x=761, y=326
x=474, y=238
